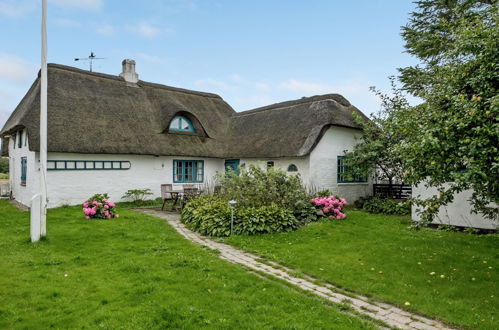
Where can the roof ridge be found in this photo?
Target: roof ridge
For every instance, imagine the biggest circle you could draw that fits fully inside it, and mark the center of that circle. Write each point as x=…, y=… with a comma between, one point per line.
x=140, y=82
x=286, y=104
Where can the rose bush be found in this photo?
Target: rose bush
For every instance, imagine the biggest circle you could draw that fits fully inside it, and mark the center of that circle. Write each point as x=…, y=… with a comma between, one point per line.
x=99, y=207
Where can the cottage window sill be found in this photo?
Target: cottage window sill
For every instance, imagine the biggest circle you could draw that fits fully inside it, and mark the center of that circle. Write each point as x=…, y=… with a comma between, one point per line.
x=23, y=184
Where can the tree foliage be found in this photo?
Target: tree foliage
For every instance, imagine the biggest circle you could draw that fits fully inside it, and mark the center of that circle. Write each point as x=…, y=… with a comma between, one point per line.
x=4, y=165
x=377, y=150
x=451, y=140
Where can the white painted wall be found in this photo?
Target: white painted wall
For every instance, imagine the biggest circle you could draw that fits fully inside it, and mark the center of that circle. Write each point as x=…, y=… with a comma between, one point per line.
x=456, y=213
x=318, y=170
x=146, y=172
x=323, y=169
x=302, y=163
x=22, y=193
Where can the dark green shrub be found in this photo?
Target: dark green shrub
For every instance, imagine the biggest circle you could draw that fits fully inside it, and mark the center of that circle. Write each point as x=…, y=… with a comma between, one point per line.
x=255, y=187
x=324, y=193
x=210, y=215
x=264, y=219
x=305, y=212
x=137, y=196
x=4, y=165
x=388, y=206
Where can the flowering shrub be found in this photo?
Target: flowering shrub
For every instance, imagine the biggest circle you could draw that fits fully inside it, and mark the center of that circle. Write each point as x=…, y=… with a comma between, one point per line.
x=99, y=207
x=330, y=206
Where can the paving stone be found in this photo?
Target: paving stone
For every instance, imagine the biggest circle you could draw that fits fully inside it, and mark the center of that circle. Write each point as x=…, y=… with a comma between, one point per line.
x=422, y=326
x=399, y=318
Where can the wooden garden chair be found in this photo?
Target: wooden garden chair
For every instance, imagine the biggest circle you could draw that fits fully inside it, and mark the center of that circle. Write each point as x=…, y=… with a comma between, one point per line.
x=166, y=194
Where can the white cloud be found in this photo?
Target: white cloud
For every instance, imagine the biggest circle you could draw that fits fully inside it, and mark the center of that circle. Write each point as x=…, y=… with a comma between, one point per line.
x=16, y=8
x=106, y=30
x=246, y=94
x=147, y=30
x=355, y=90
x=236, y=78
x=4, y=115
x=89, y=5
x=14, y=69
x=263, y=87
x=66, y=22
x=298, y=86
x=151, y=58
x=9, y=98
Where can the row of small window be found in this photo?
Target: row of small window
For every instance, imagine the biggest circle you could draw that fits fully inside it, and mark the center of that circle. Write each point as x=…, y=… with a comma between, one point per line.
x=88, y=165
x=184, y=171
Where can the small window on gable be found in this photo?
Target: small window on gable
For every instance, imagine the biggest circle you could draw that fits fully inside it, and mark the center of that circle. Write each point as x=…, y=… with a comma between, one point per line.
x=292, y=168
x=181, y=124
x=20, y=140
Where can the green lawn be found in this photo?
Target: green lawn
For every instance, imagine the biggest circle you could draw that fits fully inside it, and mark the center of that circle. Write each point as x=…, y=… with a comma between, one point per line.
x=379, y=256
x=137, y=272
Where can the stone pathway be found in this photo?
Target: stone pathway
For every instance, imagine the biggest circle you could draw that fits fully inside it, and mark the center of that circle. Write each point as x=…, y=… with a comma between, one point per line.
x=390, y=315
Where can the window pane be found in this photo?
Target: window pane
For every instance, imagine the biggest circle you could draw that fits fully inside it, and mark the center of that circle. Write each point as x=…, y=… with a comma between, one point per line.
x=184, y=125
x=189, y=171
x=175, y=124
x=199, y=172
x=178, y=171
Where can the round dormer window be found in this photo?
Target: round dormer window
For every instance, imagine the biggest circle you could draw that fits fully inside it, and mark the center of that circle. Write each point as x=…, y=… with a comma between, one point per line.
x=181, y=124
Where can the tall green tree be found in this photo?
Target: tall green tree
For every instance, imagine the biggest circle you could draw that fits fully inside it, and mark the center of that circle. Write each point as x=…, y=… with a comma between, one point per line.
x=4, y=165
x=377, y=151
x=451, y=140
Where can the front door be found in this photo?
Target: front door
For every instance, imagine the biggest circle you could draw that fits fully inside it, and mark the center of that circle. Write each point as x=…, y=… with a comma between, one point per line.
x=232, y=164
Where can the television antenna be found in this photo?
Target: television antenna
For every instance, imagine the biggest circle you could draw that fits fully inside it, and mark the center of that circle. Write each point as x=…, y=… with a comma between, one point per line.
x=91, y=58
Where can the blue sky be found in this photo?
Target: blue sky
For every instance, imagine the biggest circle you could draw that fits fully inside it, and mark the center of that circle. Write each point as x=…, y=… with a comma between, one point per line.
x=252, y=53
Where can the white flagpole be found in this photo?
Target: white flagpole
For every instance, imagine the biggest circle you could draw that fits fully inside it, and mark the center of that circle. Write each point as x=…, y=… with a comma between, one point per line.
x=43, y=126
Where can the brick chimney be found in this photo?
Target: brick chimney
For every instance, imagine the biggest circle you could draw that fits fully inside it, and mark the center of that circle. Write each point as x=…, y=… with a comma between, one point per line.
x=129, y=73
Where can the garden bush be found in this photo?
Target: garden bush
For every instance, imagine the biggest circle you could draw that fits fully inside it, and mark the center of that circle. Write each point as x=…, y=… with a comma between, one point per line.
x=210, y=215
x=255, y=187
x=137, y=196
x=388, y=206
x=268, y=201
x=323, y=193
x=99, y=207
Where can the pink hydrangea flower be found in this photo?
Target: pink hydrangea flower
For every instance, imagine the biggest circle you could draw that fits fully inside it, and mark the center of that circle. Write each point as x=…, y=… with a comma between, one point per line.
x=111, y=204
x=106, y=206
x=116, y=215
x=341, y=216
x=87, y=217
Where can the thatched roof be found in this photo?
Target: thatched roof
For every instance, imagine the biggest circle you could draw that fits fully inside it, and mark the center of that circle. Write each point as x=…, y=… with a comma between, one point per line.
x=98, y=113
x=289, y=128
